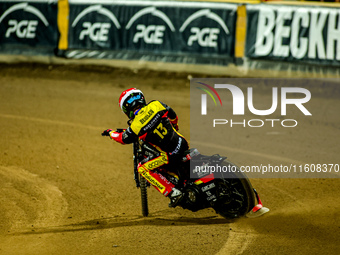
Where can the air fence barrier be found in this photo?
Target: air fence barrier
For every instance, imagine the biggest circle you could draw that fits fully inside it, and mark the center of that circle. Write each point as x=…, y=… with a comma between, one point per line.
x=229, y=37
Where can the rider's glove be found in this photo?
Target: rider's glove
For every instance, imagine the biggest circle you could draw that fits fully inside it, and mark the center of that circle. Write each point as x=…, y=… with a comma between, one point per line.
x=174, y=123
x=107, y=132
x=117, y=136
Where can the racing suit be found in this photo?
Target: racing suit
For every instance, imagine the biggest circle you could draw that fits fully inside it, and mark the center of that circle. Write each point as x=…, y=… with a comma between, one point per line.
x=156, y=123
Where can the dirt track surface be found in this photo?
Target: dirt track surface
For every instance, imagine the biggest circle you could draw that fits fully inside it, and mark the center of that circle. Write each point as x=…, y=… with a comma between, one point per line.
x=64, y=189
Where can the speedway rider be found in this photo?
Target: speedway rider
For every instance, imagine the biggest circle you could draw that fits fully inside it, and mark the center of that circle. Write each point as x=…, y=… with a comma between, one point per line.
x=157, y=124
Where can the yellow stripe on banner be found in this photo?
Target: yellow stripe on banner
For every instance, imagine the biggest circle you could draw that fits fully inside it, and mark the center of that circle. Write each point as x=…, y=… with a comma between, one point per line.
x=241, y=29
x=228, y=1
x=63, y=23
x=304, y=3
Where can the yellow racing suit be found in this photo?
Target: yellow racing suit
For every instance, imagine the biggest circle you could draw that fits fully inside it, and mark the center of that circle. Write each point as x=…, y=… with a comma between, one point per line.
x=154, y=123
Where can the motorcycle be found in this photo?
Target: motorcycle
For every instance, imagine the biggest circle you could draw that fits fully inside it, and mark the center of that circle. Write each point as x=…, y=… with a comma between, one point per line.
x=229, y=193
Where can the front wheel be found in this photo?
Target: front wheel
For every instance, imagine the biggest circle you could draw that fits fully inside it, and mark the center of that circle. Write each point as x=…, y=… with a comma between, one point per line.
x=144, y=195
x=236, y=196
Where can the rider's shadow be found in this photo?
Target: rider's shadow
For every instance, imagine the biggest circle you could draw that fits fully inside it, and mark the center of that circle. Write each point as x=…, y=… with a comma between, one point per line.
x=128, y=221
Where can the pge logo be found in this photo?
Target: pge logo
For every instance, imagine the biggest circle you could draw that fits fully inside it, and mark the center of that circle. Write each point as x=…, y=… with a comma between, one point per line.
x=150, y=34
x=97, y=31
x=23, y=28
x=205, y=37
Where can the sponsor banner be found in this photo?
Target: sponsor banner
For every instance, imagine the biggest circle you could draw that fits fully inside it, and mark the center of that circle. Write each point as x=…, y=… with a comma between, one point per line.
x=152, y=28
x=28, y=26
x=299, y=34
x=94, y=27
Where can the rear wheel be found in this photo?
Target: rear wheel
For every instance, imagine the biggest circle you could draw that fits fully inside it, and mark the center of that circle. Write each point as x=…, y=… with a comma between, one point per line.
x=144, y=195
x=236, y=195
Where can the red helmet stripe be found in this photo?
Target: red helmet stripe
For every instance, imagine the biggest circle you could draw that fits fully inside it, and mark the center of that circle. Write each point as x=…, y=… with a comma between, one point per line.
x=125, y=95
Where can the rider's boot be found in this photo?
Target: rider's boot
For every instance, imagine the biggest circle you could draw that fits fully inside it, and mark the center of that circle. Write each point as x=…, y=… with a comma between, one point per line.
x=176, y=196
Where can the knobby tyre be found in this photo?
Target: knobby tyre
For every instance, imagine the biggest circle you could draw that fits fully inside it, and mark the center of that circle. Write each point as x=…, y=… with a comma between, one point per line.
x=237, y=193
x=144, y=196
